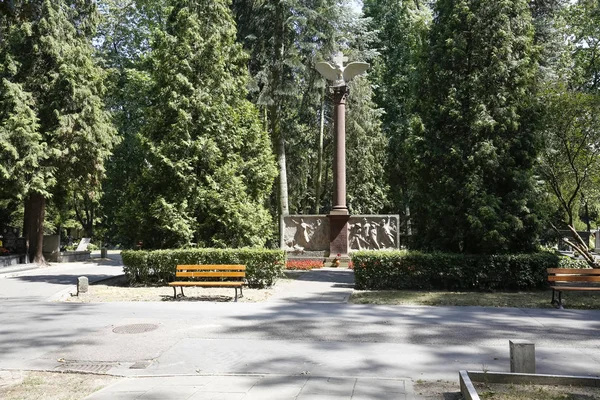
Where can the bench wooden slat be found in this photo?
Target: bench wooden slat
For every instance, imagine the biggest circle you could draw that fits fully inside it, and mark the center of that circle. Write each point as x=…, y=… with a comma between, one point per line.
x=231, y=275
x=196, y=274
x=571, y=271
x=573, y=278
x=211, y=267
x=576, y=288
x=207, y=284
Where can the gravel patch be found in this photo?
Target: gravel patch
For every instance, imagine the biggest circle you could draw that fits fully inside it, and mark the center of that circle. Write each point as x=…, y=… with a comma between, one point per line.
x=116, y=290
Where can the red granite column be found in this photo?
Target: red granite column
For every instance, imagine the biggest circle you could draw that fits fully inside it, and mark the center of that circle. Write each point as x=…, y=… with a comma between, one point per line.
x=339, y=215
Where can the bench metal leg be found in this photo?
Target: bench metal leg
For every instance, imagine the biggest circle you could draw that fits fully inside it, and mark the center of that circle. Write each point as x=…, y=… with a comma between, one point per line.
x=182, y=295
x=174, y=292
x=553, y=302
x=235, y=294
x=241, y=292
x=560, y=305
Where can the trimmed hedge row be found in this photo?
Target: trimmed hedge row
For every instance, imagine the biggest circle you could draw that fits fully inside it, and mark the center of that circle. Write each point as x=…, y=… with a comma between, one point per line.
x=442, y=271
x=263, y=267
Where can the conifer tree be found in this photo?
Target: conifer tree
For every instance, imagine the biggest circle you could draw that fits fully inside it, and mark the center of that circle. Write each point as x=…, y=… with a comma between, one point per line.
x=52, y=94
x=402, y=32
x=476, y=153
x=209, y=167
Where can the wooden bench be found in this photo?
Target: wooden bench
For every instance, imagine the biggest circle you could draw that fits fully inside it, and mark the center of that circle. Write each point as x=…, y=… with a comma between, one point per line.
x=572, y=279
x=211, y=276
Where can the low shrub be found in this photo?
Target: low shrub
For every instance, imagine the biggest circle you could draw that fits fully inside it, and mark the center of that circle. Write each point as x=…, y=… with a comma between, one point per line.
x=263, y=267
x=442, y=271
x=568, y=262
x=303, y=265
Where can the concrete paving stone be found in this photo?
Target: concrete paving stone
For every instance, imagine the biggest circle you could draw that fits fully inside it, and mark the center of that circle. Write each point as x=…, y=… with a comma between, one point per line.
x=315, y=396
x=102, y=395
x=383, y=396
x=185, y=380
x=231, y=384
x=135, y=384
x=277, y=392
x=329, y=386
x=214, y=396
x=368, y=386
x=169, y=392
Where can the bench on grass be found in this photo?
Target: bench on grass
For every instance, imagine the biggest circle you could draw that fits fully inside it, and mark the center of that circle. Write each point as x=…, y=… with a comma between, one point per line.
x=572, y=279
x=214, y=276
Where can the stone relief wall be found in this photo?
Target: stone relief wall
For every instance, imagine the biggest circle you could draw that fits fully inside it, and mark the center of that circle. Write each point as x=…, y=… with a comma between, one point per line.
x=365, y=232
x=306, y=233
x=373, y=232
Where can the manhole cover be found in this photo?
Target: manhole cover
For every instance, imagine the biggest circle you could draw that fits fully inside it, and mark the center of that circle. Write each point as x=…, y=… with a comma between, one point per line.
x=135, y=328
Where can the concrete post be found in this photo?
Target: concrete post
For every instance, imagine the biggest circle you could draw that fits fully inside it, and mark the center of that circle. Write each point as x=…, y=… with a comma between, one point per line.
x=82, y=284
x=522, y=356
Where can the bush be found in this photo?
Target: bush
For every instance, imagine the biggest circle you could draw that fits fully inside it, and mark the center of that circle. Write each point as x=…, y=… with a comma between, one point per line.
x=263, y=267
x=443, y=271
x=568, y=262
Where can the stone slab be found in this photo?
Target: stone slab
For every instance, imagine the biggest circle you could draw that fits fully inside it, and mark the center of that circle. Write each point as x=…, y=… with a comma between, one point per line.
x=306, y=234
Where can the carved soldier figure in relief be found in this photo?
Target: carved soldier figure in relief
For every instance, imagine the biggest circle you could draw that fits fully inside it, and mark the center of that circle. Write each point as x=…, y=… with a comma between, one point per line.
x=387, y=233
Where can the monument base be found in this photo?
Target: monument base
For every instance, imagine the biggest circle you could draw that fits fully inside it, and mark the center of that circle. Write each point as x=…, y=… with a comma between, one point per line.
x=338, y=235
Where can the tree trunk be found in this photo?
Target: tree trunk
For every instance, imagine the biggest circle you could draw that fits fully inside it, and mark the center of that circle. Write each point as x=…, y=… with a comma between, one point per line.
x=35, y=209
x=284, y=208
x=319, y=179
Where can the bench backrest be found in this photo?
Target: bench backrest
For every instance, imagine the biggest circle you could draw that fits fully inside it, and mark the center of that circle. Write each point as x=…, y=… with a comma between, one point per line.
x=211, y=271
x=573, y=275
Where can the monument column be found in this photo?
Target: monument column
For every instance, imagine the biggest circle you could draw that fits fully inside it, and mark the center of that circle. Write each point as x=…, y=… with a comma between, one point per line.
x=340, y=93
x=339, y=75
x=338, y=218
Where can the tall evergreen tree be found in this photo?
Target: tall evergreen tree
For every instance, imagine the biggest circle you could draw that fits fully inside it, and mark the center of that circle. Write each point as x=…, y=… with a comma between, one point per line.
x=52, y=89
x=476, y=153
x=209, y=167
x=402, y=33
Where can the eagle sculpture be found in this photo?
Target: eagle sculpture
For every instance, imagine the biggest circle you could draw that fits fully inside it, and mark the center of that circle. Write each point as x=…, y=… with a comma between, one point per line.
x=339, y=74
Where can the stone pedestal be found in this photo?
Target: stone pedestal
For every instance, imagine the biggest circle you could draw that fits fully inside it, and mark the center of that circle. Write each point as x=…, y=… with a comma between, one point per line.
x=338, y=234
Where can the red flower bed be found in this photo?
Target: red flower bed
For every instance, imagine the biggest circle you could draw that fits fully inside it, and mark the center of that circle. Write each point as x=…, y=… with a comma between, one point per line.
x=304, y=265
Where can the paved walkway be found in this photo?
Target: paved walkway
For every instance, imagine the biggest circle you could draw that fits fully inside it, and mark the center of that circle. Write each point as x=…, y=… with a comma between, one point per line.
x=304, y=343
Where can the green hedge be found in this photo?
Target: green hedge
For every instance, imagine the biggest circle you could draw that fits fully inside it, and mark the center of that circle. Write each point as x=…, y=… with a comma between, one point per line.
x=442, y=271
x=263, y=267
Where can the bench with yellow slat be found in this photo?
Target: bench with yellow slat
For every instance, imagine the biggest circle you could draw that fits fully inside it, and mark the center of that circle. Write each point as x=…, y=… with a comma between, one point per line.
x=572, y=279
x=212, y=275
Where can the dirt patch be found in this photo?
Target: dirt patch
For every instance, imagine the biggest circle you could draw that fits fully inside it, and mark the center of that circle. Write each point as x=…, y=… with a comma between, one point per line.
x=446, y=390
x=117, y=290
x=536, y=392
x=36, y=385
x=437, y=390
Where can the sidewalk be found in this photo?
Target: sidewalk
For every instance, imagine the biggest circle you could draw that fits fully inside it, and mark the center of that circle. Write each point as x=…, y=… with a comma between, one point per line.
x=305, y=339
x=260, y=387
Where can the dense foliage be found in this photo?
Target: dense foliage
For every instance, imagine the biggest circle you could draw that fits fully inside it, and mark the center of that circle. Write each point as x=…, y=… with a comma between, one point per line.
x=444, y=271
x=263, y=267
x=54, y=131
x=477, y=121
x=476, y=152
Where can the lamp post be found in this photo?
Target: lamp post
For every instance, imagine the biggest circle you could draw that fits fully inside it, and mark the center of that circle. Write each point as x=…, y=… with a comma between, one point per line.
x=338, y=218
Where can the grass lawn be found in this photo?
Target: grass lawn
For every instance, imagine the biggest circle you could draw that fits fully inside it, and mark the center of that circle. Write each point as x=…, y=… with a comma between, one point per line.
x=535, y=299
x=54, y=386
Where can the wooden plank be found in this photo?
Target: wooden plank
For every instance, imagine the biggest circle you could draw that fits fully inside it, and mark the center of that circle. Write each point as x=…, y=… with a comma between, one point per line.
x=576, y=288
x=586, y=271
x=208, y=284
x=212, y=267
x=573, y=278
x=196, y=274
